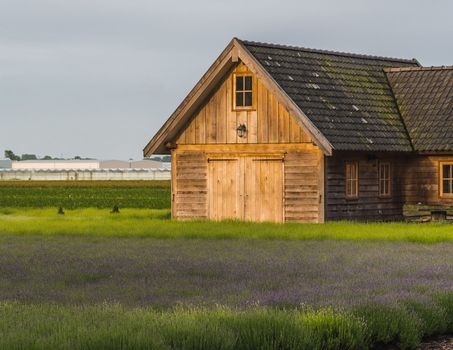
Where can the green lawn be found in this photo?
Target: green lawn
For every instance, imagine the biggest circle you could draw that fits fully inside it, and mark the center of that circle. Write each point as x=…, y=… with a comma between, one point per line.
x=156, y=223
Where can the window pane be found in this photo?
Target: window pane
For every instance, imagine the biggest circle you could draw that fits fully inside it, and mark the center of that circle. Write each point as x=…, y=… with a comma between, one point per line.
x=248, y=99
x=384, y=179
x=446, y=186
x=351, y=178
x=248, y=83
x=239, y=99
x=445, y=171
x=239, y=83
x=349, y=172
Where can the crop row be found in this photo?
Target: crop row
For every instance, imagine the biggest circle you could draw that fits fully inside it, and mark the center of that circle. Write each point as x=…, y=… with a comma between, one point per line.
x=91, y=195
x=40, y=184
x=115, y=327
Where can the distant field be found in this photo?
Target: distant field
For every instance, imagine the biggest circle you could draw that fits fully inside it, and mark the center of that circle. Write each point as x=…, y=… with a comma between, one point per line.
x=85, y=194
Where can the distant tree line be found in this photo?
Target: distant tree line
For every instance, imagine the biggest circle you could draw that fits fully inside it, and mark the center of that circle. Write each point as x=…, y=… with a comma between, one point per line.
x=9, y=154
x=165, y=159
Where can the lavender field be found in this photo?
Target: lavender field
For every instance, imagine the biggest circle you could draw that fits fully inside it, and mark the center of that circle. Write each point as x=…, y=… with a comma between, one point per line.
x=236, y=273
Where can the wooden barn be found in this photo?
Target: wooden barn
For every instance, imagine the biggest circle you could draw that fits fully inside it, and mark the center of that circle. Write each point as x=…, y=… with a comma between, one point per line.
x=279, y=133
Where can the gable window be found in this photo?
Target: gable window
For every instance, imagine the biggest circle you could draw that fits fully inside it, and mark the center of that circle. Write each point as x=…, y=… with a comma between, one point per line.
x=243, y=96
x=385, y=181
x=352, y=179
x=446, y=179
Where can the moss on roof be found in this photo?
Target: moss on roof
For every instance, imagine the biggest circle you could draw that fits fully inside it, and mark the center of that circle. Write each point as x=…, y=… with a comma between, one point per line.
x=346, y=96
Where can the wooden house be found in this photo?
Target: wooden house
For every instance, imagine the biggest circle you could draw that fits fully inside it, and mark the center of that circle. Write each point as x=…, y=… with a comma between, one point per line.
x=279, y=133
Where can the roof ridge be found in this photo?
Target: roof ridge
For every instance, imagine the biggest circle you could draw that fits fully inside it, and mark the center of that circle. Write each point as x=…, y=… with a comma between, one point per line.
x=417, y=69
x=329, y=52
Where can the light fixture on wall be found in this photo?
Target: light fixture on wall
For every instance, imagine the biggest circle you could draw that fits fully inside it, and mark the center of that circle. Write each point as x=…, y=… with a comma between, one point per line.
x=241, y=130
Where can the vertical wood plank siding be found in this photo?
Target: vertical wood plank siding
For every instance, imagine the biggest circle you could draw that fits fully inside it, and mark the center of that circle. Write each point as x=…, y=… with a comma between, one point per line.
x=369, y=206
x=216, y=121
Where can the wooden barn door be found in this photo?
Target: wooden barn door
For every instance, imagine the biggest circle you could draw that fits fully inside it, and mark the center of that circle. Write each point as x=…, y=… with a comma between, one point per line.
x=263, y=189
x=246, y=188
x=224, y=189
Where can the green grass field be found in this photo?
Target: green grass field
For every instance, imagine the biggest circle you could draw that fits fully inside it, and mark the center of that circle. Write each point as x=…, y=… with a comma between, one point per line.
x=157, y=224
x=85, y=194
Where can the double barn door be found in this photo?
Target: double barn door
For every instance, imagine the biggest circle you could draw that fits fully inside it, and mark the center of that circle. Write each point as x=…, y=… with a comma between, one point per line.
x=245, y=188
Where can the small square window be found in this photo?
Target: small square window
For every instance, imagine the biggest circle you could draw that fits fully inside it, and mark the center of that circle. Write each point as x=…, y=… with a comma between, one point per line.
x=243, y=92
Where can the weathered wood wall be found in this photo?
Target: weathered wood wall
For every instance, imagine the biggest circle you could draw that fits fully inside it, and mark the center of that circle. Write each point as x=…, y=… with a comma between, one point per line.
x=189, y=185
x=369, y=206
x=303, y=196
x=421, y=180
x=304, y=186
x=216, y=121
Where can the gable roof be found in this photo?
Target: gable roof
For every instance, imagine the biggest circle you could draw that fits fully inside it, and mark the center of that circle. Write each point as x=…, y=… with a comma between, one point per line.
x=343, y=101
x=346, y=96
x=230, y=57
x=425, y=100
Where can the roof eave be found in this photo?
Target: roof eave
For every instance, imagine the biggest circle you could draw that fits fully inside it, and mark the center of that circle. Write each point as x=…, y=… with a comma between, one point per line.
x=189, y=104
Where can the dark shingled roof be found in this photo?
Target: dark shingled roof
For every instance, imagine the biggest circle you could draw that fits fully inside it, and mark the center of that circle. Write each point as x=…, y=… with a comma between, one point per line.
x=425, y=100
x=346, y=96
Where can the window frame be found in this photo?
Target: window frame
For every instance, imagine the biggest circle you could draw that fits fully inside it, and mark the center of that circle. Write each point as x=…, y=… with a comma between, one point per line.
x=389, y=179
x=253, y=91
x=441, y=179
x=356, y=180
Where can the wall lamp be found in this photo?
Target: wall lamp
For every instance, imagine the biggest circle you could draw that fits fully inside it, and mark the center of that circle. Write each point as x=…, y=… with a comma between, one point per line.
x=241, y=130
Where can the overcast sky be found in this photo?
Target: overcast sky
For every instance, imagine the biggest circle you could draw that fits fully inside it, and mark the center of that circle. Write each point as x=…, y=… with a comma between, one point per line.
x=97, y=78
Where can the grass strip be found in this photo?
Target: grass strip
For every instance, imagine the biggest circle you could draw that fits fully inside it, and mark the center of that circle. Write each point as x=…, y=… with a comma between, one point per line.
x=156, y=224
